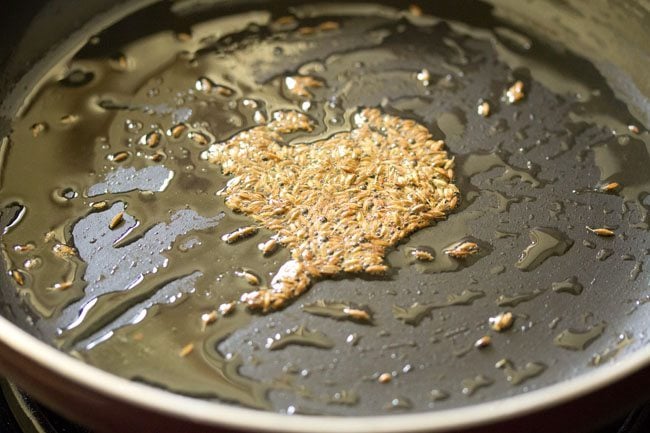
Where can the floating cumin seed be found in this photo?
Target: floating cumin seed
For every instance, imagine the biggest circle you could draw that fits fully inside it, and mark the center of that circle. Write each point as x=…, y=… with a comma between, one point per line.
x=59, y=287
x=177, y=131
x=269, y=247
x=376, y=269
x=64, y=251
x=462, y=250
x=415, y=10
x=482, y=342
x=515, y=93
x=225, y=91
x=18, y=277
x=69, y=119
x=249, y=277
x=357, y=314
x=422, y=255
x=424, y=76
x=483, y=109
x=502, y=321
x=119, y=156
x=239, y=234
x=184, y=36
x=119, y=62
x=24, y=248
x=199, y=138
x=604, y=232
x=610, y=187
x=204, y=84
x=38, y=128
x=226, y=308
x=158, y=156
x=186, y=350
x=208, y=86
x=208, y=319
x=116, y=221
x=100, y=205
x=33, y=263
x=384, y=378
x=152, y=139
x=299, y=85
x=327, y=26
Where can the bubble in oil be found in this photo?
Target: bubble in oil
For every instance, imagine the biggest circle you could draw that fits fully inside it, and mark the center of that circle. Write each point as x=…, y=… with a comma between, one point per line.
x=77, y=78
x=133, y=126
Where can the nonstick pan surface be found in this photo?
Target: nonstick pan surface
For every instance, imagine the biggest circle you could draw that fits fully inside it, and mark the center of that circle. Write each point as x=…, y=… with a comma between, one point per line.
x=531, y=173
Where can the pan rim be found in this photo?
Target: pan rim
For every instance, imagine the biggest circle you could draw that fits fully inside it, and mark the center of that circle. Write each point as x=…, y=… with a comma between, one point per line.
x=215, y=414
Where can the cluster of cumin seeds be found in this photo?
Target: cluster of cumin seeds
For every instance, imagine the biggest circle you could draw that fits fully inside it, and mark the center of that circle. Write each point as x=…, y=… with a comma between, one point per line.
x=338, y=203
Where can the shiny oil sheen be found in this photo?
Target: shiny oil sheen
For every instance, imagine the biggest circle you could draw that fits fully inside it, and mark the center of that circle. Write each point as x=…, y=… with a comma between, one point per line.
x=81, y=152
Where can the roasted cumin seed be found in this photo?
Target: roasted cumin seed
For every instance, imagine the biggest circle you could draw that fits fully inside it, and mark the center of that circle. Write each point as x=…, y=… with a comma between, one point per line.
x=415, y=10
x=186, y=350
x=116, y=221
x=99, y=205
x=385, y=378
x=119, y=156
x=204, y=84
x=462, y=250
x=239, y=234
x=269, y=247
x=64, y=251
x=376, y=269
x=483, y=109
x=515, y=93
x=357, y=314
x=424, y=76
x=119, y=62
x=327, y=26
x=177, y=131
x=249, y=277
x=208, y=319
x=604, y=232
x=18, y=277
x=69, y=119
x=38, y=128
x=351, y=206
x=158, y=156
x=299, y=85
x=59, y=287
x=501, y=321
x=422, y=255
x=199, y=138
x=152, y=139
x=610, y=187
x=482, y=342
x=24, y=248
x=227, y=308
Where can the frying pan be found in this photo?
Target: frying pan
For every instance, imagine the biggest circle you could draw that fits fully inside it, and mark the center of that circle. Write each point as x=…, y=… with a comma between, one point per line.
x=532, y=168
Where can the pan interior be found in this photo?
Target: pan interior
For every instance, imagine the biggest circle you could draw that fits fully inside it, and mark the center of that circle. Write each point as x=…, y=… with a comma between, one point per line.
x=135, y=294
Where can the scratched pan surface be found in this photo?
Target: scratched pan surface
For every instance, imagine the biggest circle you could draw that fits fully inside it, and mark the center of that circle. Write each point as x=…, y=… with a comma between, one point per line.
x=129, y=299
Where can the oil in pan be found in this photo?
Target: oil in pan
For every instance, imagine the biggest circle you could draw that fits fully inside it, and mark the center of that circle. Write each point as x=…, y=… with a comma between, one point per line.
x=137, y=254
